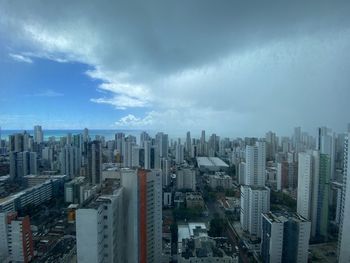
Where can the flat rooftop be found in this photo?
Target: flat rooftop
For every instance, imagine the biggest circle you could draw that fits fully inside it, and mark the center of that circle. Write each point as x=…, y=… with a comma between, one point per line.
x=211, y=162
x=186, y=230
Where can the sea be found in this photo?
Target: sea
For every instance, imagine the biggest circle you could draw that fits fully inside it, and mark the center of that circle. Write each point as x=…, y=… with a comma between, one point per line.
x=107, y=134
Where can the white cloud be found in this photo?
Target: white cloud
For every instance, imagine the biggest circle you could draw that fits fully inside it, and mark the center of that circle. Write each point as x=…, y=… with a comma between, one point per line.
x=131, y=121
x=49, y=93
x=21, y=58
x=121, y=102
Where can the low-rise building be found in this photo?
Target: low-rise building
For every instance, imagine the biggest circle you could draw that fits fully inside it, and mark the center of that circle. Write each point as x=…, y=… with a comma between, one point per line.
x=194, y=245
x=220, y=179
x=35, y=196
x=194, y=200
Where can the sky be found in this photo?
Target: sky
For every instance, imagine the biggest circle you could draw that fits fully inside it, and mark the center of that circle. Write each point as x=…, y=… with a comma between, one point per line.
x=237, y=68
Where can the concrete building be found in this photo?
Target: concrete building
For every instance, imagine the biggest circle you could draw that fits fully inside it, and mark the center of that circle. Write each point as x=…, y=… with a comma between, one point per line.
x=220, y=179
x=18, y=142
x=255, y=200
x=195, y=246
x=167, y=199
x=241, y=172
x=38, y=134
x=35, y=195
x=70, y=161
x=21, y=164
x=194, y=200
x=143, y=212
x=165, y=167
x=186, y=178
x=271, y=145
x=344, y=238
x=211, y=164
x=33, y=180
x=179, y=153
x=16, y=242
x=99, y=228
x=162, y=144
x=313, y=191
x=285, y=238
x=78, y=190
x=255, y=157
x=188, y=144
x=94, y=157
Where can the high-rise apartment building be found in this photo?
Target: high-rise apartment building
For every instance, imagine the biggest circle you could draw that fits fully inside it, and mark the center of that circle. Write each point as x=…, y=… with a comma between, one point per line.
x=70, y=158
x=326, y=145
x=18, y=142
x=188, y=145
x=143, y=212
x=186, y=179
x=100, y=229
x=285, y=238
x=94, y=162
x=255, y=164
x=179, y=153
x=16, y=241
x=271, y=145
x=313, y=191
x=22, y=163
x=162, y=144
x=38, y=134
x=344, y=238
x=255, y=200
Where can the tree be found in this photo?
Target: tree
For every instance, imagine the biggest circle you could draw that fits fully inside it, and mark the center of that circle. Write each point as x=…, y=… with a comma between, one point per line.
x=217, y=227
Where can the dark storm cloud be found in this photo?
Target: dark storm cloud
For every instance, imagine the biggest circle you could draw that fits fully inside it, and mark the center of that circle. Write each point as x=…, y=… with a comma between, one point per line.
x=250, y=62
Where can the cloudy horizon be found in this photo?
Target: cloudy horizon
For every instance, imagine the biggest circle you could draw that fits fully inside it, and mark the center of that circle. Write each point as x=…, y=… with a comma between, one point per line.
x=227, y=67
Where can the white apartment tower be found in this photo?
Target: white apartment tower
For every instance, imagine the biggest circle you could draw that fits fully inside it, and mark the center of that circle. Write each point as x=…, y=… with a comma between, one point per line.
x=285, y=238
x=99, y=228
x=255, y=164
x=255, y=200
x=314, y=171
x=38, y=134
x=186, y=179
x=143, y=212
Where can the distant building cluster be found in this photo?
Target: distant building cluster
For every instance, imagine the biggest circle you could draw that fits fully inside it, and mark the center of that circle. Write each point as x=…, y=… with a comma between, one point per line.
x=92, y=199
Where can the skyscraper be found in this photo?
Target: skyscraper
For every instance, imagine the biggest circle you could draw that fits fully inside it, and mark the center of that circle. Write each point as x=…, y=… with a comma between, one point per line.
x=162, y=144
x=271, y=145
x=313, y=191
x=143, y=212
x=17, y=143
x=16, y=239
x=100, y=229
x=285, y=238
x=254, y=201
x=255, y=164
x=202, y=144
x=344, y=238
x=94, y=163
x=70, y=161
x=38, y=134
x=144, y=137
x=147, y=147
x=188, y=143
x=22, y=163
x=179, y=153
x=326, y=145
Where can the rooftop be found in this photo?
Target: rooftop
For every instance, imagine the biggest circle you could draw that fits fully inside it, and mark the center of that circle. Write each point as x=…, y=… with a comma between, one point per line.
x=211, y=161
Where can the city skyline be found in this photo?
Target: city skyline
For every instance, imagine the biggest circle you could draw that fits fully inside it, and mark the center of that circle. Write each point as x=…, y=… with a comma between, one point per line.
x=233, y=68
